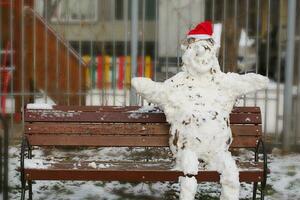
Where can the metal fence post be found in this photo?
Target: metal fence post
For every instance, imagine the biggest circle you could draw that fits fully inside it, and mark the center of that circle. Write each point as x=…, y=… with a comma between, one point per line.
x=5, y=157
x=289, y=69
x=134, y=46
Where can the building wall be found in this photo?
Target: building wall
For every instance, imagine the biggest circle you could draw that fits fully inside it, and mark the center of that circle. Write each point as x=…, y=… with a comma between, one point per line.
x=175, y=19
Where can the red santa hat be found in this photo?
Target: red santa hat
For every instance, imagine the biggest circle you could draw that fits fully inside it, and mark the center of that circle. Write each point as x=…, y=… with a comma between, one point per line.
x=202, y=31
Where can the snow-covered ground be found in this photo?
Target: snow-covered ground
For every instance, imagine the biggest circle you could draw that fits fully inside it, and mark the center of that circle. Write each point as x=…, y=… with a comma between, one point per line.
x=283, y=182
x=285, y=177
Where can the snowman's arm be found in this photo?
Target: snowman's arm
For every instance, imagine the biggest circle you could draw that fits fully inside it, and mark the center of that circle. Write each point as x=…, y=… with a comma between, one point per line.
x=243, y=84
x=152, y=91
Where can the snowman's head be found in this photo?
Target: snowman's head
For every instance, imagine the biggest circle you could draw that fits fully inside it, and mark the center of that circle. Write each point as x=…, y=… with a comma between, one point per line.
x=200, y=56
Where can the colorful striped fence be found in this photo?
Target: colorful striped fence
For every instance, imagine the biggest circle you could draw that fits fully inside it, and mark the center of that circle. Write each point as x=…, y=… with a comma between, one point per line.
x=114, y=72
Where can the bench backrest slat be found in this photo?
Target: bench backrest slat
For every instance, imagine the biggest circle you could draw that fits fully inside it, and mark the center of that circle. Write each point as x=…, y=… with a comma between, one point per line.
x=120, y=126
x=134, y=108
x=122, y=129
x=121, y=117
x=121, y=141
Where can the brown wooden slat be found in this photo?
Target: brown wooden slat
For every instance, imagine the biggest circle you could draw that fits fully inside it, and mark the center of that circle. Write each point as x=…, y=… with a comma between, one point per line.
x=245, y=118
x=98, y=140
x=245, y=130
x=97, y=129
x=108, y=117
x=117, y=165
x=121, y=129
x=100, y=117
x=96, y=108
x=244, y=142
x=119, y=141
x=136, y=165
x=132, y=108
x=136, y=171
x=130, y=175
x=246, y=109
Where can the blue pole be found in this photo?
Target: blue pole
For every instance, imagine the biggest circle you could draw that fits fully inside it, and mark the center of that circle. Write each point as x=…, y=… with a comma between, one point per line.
x=134, y=46
x=289, y=70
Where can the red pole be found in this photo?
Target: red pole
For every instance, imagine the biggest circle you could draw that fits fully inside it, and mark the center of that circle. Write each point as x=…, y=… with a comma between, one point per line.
x=99, y=71
x=121, y=71
x=5, y=78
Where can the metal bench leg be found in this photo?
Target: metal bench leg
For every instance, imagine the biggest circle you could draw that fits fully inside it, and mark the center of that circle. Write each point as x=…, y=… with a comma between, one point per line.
x=262, y=197
x=23, y=194
x=29, y=150
x=262, y=190
x=30, y=189
x=263, y=184
x=254, y=191
x=23, y=180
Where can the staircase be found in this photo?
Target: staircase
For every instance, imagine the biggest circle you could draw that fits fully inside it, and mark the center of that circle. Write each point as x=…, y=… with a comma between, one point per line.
x=51, y=63
x=42, y=59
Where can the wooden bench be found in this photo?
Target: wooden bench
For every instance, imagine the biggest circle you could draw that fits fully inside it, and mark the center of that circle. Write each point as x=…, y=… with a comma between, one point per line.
x=92, y=126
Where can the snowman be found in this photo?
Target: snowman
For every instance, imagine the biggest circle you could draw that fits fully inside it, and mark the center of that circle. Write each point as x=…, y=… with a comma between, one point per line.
x=197, y=103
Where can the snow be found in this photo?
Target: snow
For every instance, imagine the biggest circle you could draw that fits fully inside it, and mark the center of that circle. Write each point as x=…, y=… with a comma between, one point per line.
x=187, y=162
x=188, y=187
x=197, y=103
x=93, y=165
x=103, y=165
x=99, y=166
x=39, y=106
x=42, y=102
x=134, y=116
x=245, y=40
x=44, y=99
x=147, y=109
x=36, y=163
x=285, y=176
x=283, y=182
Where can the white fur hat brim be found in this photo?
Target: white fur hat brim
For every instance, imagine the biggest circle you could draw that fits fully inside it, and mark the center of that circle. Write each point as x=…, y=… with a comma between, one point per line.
x=200, y=36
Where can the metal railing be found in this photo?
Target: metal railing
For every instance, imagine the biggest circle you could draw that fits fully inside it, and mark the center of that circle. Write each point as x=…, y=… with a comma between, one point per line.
x=117, y=39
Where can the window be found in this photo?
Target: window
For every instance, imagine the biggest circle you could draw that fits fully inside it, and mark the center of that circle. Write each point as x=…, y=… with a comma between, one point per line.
x=150, y=6
x=73, y=10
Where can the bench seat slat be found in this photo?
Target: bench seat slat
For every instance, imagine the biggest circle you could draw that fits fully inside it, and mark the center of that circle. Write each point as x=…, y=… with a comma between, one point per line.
x=132, y=164
x=136, y=172
x=122, y=129
x=119, y=141
x=121, y=117
x=121, y=175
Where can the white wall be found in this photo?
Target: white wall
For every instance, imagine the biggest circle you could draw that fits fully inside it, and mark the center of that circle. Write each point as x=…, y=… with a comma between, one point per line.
x=175, y=19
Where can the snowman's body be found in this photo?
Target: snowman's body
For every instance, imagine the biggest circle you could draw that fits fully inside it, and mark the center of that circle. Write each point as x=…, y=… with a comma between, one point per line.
x=196, y=111
x=197, y=103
